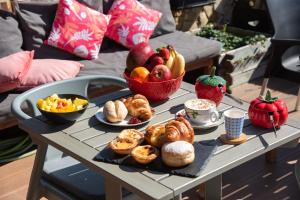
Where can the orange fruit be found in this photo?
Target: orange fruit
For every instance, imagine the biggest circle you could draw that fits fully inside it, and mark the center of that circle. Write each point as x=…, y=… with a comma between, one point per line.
x=140, y=74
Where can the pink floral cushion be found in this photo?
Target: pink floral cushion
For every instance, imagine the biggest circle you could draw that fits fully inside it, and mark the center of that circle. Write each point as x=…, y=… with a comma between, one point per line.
x=131, y=22
x=78, y=29
x=49, y=70
x=13, y=68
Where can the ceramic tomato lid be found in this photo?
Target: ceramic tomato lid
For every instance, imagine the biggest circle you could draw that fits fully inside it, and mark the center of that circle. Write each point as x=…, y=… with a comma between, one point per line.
x=211, y=79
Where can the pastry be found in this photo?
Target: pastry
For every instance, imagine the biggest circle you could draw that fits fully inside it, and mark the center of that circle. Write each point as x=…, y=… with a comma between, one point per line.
x=144, y=154
x=155, y=135
x=123, y=145
x=133, y=134
x=115, y=111
x=138, y=106
x=177, y=154
x=179, y=129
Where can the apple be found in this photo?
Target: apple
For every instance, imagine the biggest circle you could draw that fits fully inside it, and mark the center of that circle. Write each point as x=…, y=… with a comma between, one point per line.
x=160, y=73
x=138, y=56
x=153, y=61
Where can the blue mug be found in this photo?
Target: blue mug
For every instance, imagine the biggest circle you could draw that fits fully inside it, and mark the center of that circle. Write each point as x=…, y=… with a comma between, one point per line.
x=234, y=122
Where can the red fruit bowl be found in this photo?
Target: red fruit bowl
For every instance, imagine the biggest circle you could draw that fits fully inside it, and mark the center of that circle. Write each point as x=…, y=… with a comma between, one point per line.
x=154, y=91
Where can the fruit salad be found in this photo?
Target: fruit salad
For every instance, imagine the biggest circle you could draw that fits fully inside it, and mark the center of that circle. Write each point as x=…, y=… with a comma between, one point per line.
x=54, y=103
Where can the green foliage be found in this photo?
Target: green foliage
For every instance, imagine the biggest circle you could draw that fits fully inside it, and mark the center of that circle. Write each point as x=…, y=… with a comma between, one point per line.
x=229, y=40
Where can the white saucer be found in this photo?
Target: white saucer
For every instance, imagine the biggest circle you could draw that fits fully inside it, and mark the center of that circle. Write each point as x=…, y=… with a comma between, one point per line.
x=201, y=126
x=100, y=116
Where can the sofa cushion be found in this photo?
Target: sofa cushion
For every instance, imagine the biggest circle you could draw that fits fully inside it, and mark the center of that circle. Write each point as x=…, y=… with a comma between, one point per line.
x=35, y=21
x=36, y=18
x=13, y=68
x=78, y=29
x=166, y=23
x=112, y=62
x=131, y=22
x=10, y=35
x=194, y=49
x=44, y=71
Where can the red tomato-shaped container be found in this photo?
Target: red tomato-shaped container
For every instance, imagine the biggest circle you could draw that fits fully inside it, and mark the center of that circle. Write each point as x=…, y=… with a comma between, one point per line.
x=210, y=87
x=262, y=111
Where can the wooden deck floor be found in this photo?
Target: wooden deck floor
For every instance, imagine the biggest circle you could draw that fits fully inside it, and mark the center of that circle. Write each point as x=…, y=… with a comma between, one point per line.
x=255, y=179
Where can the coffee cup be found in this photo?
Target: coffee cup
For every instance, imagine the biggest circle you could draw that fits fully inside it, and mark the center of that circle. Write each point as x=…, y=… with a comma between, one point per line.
x=234, y=122
x=201, y=111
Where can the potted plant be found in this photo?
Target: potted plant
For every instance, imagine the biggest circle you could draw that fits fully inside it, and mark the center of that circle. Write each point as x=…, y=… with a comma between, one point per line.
x=242, y=52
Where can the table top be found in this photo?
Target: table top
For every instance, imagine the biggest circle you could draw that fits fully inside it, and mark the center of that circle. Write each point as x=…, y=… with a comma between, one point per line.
x=83, y=140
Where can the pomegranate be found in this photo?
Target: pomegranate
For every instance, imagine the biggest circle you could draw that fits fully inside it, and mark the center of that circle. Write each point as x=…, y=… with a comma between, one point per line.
x=138, y=56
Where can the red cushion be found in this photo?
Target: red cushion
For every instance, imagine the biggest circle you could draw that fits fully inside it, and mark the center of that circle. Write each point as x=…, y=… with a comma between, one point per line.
x=131, y=22
x=13, y=68
x=78, y=29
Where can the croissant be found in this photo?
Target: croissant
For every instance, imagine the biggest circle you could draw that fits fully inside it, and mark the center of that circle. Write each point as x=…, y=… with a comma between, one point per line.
x=179, y=129
x=138, y=106
x=155, y=135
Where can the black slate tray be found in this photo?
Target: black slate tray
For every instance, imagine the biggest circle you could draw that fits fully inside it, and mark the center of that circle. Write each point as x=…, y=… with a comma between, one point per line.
x=203, y=152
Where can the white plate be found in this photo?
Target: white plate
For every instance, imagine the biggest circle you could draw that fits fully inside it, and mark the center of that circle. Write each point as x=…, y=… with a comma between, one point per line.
x=100, y=116
x=201, y=126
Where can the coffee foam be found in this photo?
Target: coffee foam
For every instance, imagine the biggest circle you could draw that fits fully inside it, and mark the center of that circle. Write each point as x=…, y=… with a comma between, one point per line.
x=199, y=104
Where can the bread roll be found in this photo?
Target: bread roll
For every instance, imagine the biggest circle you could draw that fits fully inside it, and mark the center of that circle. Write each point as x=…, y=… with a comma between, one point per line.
x=115, y=111
x=178, y=154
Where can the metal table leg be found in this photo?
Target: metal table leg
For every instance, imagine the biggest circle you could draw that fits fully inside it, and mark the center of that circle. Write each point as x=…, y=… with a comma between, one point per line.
x=113, y=189
x=213, y=188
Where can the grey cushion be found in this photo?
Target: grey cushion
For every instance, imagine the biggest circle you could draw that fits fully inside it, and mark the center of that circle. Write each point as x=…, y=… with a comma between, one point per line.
x=36, y=20
x=110, y=62
x=194, y=49
x=10, y=35
x=72, y=176
x=166, y=23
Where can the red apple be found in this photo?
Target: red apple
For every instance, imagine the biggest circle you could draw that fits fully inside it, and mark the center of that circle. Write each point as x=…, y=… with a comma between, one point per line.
x=160, y=73
x=153, y=61
x=138, y=56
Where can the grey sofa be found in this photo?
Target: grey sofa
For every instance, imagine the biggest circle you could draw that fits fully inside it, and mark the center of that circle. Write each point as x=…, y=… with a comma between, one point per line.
x=32, y=23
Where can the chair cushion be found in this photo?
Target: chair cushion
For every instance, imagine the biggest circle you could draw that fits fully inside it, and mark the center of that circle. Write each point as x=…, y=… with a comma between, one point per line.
x=78, y=29
x=74, y=177
x=10, y=35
